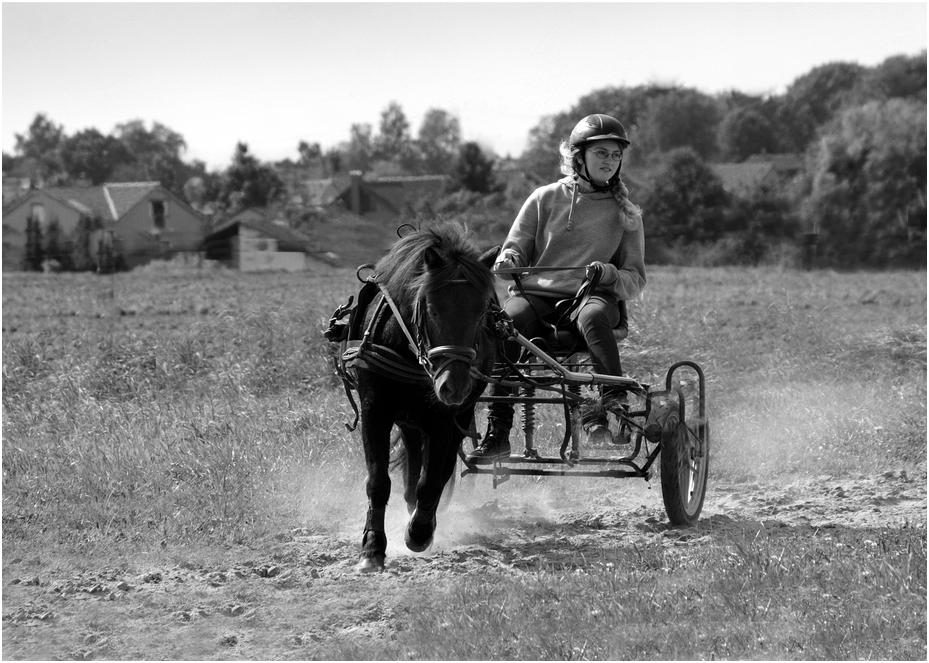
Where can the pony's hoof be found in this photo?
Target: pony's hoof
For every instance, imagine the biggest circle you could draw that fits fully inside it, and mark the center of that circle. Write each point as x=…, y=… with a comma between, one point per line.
x=370, y=564
x=419, y=535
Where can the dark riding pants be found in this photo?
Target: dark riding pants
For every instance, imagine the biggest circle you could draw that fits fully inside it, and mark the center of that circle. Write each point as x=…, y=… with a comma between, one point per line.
x=595, y=321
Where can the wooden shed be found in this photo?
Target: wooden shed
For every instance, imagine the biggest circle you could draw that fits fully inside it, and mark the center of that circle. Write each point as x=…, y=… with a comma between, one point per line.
x=250, y=242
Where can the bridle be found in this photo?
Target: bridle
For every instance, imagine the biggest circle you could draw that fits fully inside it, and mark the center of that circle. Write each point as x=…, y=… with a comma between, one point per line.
x=432, y=359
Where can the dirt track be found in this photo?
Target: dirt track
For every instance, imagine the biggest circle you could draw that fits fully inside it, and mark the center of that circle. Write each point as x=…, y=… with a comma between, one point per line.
x=302, y=591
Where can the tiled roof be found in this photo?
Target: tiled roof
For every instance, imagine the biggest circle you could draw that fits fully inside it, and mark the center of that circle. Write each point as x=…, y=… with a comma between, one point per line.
x=83, y=198
x=324, y=192
x=781, y=162
x=399, y=191
x=408, y=179
x=738, y=177
x=126, y=195
x=109, y=201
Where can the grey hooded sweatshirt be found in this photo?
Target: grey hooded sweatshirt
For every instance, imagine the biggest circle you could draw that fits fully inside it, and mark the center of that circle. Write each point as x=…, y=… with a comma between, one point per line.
x=601, y=229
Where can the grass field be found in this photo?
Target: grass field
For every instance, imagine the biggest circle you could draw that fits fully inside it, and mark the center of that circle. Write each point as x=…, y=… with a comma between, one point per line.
x=190, y=412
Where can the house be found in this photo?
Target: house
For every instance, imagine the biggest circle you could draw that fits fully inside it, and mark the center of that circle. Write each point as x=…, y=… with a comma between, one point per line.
x=14, y=187
x=382, y=198
x=129, y=223
x=758, y=172
x=251, y=242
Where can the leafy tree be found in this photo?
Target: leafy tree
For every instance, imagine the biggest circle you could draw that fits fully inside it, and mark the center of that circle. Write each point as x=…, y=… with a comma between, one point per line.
x=761, y=222
x=309, y=154
x=80, y=257
x=814, y=98
x=870, y=179
x=746, y=131
x=247, y=183
x=156, y=154
x=196, y=192
x=360, y=151
x=628, y=105
x=90, y=154
x=334, y=161
x=541, y=156
x=34, y=250
x=682, y=118
x=40, y=149
x=900, y=76
x=686, y=198
x=473, y=170
x=9, y=163
x=54, y=249
x=439, y=140
x=393, y=142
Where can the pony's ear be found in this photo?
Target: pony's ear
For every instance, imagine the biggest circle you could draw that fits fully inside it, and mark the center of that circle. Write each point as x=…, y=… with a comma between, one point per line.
x=432, y=258
x=489, y=256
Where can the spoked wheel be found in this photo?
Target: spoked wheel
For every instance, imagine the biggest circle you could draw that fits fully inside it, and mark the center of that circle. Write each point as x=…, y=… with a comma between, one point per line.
x=685, y=460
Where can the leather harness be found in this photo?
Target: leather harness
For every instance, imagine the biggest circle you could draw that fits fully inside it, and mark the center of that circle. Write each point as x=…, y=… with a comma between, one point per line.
x=359, y=351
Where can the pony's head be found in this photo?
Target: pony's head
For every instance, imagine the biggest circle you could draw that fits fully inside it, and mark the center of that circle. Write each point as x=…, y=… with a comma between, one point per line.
x=444, y=287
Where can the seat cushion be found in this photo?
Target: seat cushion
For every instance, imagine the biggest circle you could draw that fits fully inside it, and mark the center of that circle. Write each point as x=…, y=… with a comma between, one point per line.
x=565, y=339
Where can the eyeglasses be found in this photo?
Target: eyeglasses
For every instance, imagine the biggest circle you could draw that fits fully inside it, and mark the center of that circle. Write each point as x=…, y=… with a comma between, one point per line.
x=603, y=154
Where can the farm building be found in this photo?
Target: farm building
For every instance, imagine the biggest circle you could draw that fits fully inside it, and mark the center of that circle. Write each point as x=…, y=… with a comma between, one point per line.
x=759, y=171
x=382, y=198
x=125, y=224
x=250, y=242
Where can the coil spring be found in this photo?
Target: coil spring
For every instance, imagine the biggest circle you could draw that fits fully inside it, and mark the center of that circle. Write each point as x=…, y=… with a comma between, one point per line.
x=529, y=417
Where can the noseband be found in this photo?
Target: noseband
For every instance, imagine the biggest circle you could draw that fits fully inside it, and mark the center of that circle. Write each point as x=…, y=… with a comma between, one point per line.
x=426, y=353
x=436, y=359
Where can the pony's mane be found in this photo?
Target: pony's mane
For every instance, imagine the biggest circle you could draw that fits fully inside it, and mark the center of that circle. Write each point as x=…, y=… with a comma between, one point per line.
x=402, y=271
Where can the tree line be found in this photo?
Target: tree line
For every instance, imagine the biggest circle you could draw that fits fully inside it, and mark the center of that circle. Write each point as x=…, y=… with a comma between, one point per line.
x=860, y=133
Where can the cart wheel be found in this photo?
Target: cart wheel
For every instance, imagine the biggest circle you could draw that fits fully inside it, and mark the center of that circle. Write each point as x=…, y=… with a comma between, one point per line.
x=685, y=459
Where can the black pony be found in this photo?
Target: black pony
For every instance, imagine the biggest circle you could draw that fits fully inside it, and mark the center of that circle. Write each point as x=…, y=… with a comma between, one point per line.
x=425, y=329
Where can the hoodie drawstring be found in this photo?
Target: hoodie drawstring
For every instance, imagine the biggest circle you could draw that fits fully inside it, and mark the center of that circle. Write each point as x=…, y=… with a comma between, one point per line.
x=573, y=203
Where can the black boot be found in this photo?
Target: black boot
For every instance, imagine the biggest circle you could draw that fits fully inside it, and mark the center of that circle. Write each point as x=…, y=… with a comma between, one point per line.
x=596, y=425
x=616, y=402
x=494, y=446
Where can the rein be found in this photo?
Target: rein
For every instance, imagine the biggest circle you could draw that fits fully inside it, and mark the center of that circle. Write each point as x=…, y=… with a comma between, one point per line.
x=419, y=340
x=360, y=351
x=430, y=361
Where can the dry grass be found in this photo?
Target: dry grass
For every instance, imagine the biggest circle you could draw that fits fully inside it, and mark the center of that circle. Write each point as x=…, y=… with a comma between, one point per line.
x=780, y=597
x=187, y=411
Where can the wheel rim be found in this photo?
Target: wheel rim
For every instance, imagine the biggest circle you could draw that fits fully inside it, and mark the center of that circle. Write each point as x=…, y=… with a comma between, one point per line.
x=690, y=469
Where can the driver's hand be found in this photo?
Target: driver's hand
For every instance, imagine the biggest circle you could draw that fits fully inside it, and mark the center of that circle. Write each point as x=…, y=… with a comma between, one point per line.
x=506, y=260
x=595, y=268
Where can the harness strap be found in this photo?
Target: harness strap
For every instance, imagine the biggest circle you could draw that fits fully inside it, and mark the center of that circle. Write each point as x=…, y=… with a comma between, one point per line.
x=351, y=399
x=384, y=360
x=396, y=311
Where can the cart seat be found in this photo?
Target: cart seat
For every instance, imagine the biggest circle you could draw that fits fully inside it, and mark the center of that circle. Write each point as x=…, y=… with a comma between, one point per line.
x=567, y=340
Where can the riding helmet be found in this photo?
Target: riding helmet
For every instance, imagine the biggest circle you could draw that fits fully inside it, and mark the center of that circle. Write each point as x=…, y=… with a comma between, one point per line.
x=598, y=127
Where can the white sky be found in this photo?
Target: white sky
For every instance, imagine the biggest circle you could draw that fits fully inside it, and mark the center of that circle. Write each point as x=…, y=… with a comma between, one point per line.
x=274, y=74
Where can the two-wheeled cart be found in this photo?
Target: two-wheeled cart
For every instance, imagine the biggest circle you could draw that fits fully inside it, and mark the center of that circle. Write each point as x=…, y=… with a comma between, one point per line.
x=666, y=425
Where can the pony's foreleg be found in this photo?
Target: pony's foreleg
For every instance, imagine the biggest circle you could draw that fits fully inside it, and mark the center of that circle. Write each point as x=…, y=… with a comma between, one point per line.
x=441, y=453
x=413, y=447
x=375, y=432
